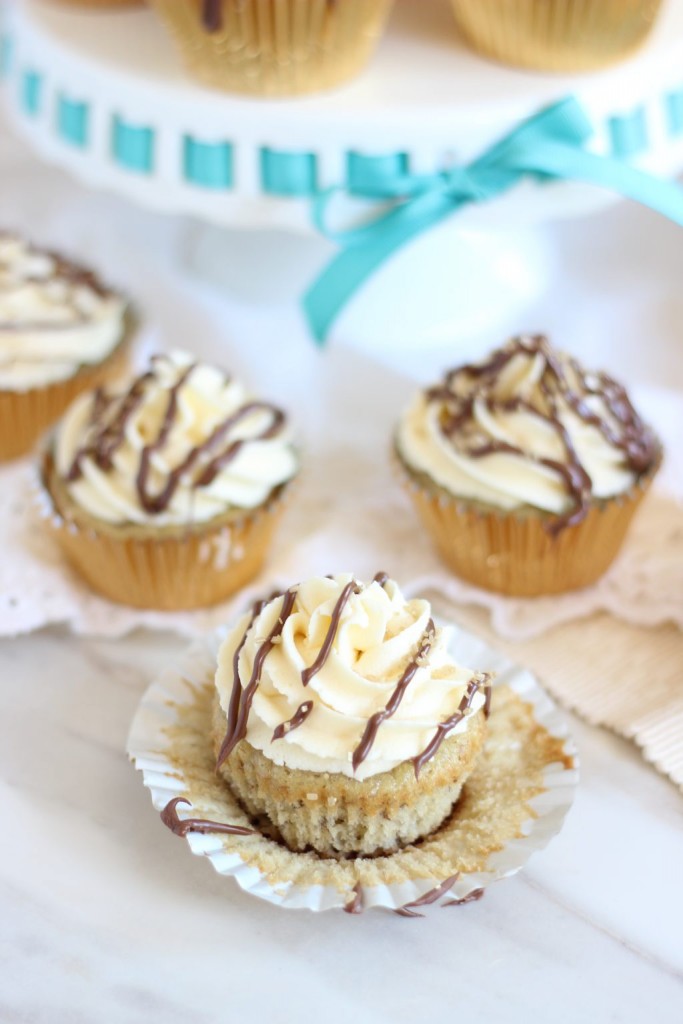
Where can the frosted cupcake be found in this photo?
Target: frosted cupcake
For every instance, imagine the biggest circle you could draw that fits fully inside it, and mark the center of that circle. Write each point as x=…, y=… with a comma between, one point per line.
x=61, y=332
x=165, y=494
x=278, y=47
x=556, y=35
x=526, y=469
x=340, y=716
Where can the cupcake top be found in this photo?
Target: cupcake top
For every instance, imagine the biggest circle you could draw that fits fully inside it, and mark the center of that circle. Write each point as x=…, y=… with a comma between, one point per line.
x=182, y=444
x=345, y=677
x=54, y=317
x=528, y=427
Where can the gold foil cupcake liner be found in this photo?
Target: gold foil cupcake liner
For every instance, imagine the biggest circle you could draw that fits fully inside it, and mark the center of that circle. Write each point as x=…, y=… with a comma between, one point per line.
x=26, y=415
x=276, y=47
x=513, y=803
x=513, y=553
x=556, y=35
x=172, y=571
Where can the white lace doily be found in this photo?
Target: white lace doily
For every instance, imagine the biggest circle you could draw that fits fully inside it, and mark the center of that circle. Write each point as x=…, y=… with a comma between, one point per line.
x=333, y=525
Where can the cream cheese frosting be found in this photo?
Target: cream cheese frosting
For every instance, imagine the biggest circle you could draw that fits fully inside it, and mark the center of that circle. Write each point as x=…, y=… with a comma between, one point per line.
x=377, y=638
x=183, y=444
x=54, y=317
x=527, y=427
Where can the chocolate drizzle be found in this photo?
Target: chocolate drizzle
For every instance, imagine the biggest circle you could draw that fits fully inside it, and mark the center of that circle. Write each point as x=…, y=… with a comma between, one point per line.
x=375, y=721
x=351, y=588
x=471, y=897
x=181, y=826
x=355, y=904
x=109, y=418
x=297, y=719
x=475, y=684
x=241, y=700
x=408, y=909
x=381, y=578
x=212, y=15
x=622, y=427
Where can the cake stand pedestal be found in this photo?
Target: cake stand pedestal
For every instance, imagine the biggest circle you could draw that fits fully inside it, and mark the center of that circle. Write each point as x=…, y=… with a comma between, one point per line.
x=104, y=95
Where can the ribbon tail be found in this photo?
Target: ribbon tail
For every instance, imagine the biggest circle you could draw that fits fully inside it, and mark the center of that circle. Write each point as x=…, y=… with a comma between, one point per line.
x=570, y=163
x=352, y=267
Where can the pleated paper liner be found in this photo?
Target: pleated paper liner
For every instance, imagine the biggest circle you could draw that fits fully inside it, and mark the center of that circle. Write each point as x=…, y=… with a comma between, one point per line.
x=556, y=35
x=172, y=569
x=276, y=47
x=514, y=802
x=26, y=415
x=512, y=552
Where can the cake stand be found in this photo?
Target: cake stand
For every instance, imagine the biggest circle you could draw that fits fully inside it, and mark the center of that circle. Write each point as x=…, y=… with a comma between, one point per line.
x=104, y=95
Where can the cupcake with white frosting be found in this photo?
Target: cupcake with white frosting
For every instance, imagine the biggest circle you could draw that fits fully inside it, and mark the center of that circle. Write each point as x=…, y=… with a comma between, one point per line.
x=341, y=717
x=526, y=468
x=165, y=494
x=61, y=332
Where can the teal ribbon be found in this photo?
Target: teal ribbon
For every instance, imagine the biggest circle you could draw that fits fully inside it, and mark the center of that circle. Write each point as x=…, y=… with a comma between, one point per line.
x=548, y=146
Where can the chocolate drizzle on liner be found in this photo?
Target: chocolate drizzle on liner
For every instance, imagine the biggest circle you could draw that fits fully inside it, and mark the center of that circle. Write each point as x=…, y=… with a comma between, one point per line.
x=181, y=826
x=408, y=909
x=623, y=429
x=110, y=416
x=212, y=13
x=241, y=698
x=355, y=904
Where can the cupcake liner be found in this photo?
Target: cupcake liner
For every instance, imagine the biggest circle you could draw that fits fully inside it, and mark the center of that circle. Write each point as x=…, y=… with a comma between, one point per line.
x=171, y=571
x=276, y=47
x=555, y=35
x=513, y=553
x=26, y=415
x=513, y=804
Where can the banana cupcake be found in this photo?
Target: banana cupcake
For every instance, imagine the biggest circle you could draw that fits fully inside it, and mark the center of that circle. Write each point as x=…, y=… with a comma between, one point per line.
x=165, y=494
x=556, y=35
x=340, y=716
x=526, y=469
x=276, y=47
x=61, y=332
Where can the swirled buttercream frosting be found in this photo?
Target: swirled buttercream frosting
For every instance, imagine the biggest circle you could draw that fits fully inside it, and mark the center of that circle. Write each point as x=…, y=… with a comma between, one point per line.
x=338, y=676
x=527, y=427
x=55, y=317
x=182, y=444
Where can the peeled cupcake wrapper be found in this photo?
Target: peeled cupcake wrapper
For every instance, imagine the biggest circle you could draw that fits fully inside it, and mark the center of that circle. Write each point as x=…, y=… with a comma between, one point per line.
x=556, y=35
x=280, y=47
x=26, y=415
x=513, y=553
x=170, y=572
x=170, y=743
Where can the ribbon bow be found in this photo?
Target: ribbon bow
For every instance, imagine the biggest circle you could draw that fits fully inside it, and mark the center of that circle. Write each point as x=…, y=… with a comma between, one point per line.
x=548, y=146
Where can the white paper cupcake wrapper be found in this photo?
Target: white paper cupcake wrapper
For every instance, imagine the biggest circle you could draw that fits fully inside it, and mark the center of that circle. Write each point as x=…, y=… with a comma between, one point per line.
x=149, y=749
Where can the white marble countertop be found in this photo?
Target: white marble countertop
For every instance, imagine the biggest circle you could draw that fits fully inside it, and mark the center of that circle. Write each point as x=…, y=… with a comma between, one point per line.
x=108, y=918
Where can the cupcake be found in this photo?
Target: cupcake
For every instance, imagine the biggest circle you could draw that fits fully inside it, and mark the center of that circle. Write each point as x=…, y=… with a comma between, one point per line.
x=341, y=719
x=556, y=35
x=276, y=47
x=61, y=332
x=526, y=469
x=165, y=494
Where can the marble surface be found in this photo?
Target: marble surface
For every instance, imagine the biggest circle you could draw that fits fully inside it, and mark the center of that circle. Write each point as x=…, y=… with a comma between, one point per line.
x=107, y=918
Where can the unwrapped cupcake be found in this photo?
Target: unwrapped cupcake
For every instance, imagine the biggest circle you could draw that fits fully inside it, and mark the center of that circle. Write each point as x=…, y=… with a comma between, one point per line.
x=61, y=332
x=341, y=718
x=165, y=494
x=279, y=47
x=526, y=469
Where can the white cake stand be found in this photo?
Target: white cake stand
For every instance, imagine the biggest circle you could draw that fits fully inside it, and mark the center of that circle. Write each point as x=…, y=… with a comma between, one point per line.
x=104, y=95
